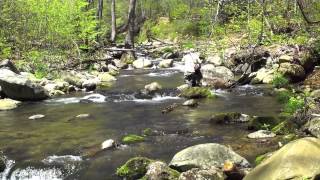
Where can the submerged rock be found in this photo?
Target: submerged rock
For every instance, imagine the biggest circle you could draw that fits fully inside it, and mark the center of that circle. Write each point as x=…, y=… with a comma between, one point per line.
x=2, y=164
x=298, y=159
x=18, y=87
x=206, y=156
x=134, y=168
x=107, y=144
x=261, y=134
x=8, y=104
x=202, y=174
x=229, y=117
x=197, y=92
x=38, y=116
x=190, y=103
x=83, y=116
x=159, y=170
x=132, y=138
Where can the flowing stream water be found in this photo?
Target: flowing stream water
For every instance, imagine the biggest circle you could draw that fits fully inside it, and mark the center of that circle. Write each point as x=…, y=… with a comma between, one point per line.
x=51, y=148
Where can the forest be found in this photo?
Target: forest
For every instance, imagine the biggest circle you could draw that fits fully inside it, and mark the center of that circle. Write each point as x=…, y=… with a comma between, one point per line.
x=160, y=89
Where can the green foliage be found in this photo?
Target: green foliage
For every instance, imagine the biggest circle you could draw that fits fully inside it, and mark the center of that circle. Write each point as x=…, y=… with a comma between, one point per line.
x=260, y=158
x=40, y=68
x=284, y=96
x=279, y=81
x=294, y=104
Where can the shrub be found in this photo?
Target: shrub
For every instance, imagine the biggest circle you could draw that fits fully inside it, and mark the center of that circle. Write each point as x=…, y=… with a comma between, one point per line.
x=294, y=104
x=284, y=96
x=279, y=81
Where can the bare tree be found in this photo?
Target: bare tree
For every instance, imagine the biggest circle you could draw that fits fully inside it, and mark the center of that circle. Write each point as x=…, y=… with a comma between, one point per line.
x=113, y=21
x=100, y=9
x=129, y=43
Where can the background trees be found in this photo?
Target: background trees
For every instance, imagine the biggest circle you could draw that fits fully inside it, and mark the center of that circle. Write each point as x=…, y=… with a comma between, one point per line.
x=35, y=29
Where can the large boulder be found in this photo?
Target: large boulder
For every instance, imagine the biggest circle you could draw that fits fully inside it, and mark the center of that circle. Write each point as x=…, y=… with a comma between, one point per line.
x=313, y=127
x=159, y=170
x=294, y=72
x=18, y=87
x=192, y=57
x=215, y=60
x=7, y=64
x=297, y=160
x=313, y=80
x=142, y=63
x=73, y=78
x=120, y=64
x=263, y=75
x=218, y=77
x=202, y=174
x=206, y=156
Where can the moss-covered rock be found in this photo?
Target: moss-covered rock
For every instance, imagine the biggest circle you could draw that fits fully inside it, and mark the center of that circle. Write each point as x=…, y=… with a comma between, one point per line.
x=263, y=122
x=147, y=132
x=229, y=117
x=197, y=92
x=160, y=170
x=298, y=159
x=132, y=138
x=134, y=168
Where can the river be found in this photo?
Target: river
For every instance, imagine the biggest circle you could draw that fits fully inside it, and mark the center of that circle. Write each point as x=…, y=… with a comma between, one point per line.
x=51, y=148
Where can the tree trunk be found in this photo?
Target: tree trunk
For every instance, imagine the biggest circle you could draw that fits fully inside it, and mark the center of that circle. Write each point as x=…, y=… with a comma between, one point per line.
x=100, y=9
x=129, y=43
x=113, y=21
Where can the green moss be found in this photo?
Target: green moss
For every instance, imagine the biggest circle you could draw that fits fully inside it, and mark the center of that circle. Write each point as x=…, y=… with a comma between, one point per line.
x=134, y=168
x=285, y=127
x=132, y=138
x=197, y=92
x=259, y=159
